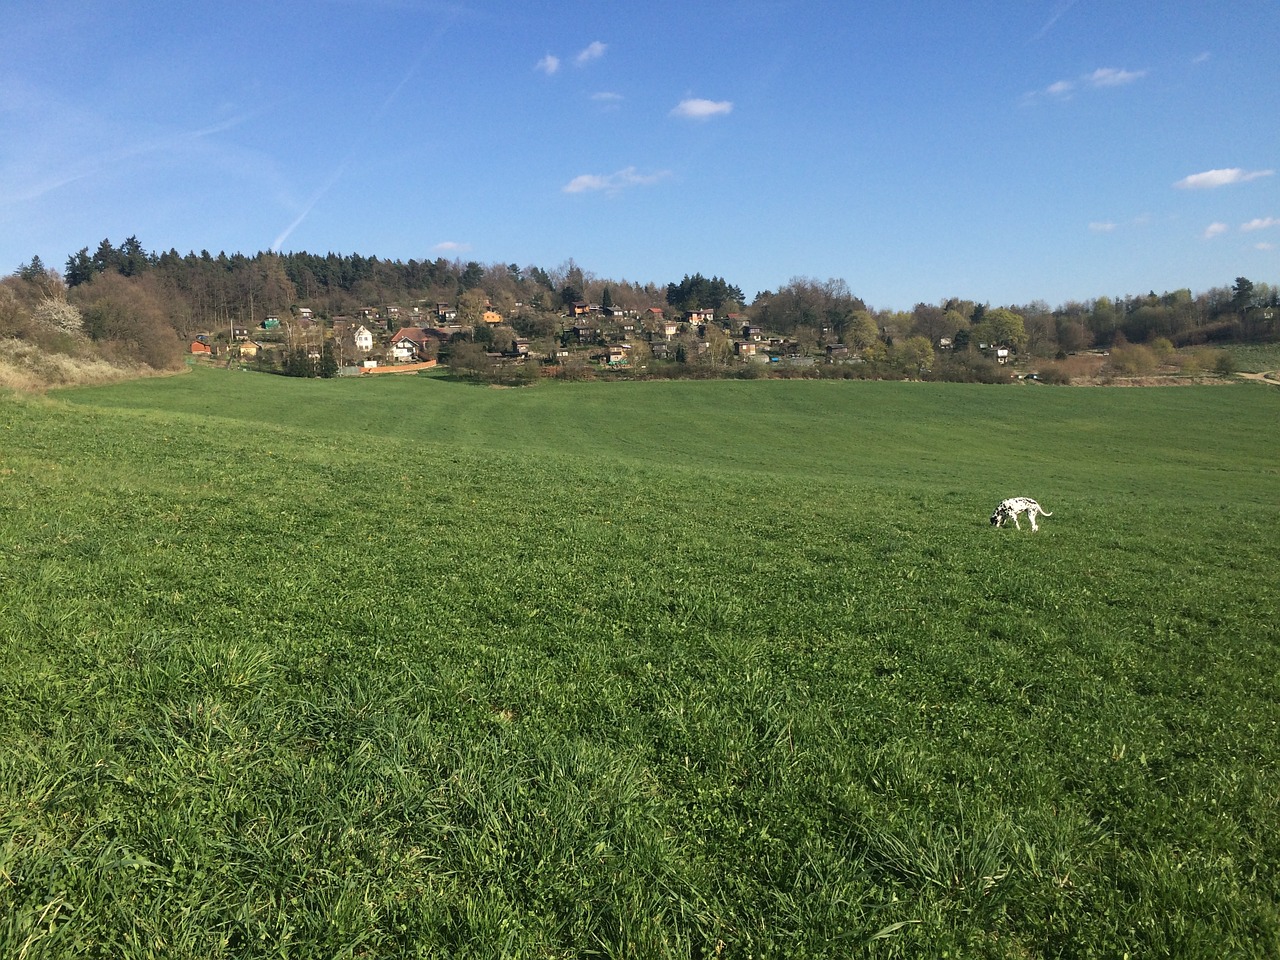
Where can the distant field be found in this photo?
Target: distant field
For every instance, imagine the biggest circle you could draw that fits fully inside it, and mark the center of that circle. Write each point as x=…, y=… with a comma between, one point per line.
x=1256, y=357
x=405, y=667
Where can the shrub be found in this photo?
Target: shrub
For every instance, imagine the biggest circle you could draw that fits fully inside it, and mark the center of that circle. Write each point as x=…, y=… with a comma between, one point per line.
x=56, y=314
x=1132, y=360
x=1198, y=362
x=964, y=366
x=1055, y=373
x=1162, y=348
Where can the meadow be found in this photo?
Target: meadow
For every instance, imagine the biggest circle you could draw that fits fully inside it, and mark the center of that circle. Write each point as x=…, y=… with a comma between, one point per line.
x=406, y=667
x=1256, y=357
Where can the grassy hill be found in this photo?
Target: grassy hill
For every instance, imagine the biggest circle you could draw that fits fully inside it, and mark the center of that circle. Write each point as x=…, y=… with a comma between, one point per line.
x=408, y=667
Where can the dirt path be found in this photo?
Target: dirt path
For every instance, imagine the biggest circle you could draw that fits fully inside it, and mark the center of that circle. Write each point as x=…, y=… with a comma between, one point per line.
x=1271, y=376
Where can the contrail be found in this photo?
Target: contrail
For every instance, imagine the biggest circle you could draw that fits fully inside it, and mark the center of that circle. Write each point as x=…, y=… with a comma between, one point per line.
x=346, y=161
x=316, y=197
x=1057, y=15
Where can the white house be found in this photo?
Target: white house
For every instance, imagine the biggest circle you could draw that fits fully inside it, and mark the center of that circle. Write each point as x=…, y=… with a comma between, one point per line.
x=362, y=338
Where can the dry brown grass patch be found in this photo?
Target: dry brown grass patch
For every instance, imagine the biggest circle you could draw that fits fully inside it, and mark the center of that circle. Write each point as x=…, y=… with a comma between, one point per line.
x=30, y=369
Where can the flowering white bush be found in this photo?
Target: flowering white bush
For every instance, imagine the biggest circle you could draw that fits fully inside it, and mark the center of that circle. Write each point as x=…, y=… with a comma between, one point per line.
x=56, y=312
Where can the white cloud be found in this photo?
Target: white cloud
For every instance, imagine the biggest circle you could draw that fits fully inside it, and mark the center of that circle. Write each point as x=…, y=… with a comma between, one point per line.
x=1215, y=230
x=548, y=64
x=1100, y=78
x=593, y=51
x=607, y=99
x=697, y=109
x=1264, y=246
x=1260, y=223
x=1111, y=77
x=1202, y=57
x=613, y=182
x=1220, y=178
x=1111, y=226
x=451, y=246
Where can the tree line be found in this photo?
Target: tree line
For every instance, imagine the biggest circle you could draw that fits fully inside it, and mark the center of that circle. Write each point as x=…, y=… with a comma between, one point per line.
x=130, y=304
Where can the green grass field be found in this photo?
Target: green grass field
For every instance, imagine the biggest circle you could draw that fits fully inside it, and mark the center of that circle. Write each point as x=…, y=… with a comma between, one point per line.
x=406, y=667
x=1256, y=357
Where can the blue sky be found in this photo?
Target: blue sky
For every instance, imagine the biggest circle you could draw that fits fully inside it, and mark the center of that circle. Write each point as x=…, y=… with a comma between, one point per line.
x=1030, y=149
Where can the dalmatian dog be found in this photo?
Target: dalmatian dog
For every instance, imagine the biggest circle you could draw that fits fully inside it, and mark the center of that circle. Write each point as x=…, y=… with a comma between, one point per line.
x=1009, y=510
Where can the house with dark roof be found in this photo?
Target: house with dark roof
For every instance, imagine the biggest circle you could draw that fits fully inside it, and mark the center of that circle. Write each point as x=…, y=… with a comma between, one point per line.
x=410, y=344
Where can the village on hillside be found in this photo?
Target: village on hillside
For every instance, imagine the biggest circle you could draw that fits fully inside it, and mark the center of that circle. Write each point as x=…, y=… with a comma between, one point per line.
x=305, y=315
x=398, y=339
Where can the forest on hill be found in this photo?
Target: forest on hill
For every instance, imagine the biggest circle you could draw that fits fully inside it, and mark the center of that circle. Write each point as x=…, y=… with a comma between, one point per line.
x=123, y=304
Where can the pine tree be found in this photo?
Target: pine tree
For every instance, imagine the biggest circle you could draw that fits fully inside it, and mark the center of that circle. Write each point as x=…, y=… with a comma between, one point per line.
x=328, y=362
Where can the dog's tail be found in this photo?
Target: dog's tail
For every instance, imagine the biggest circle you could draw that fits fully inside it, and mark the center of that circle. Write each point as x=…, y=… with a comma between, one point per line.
x=1045, y=513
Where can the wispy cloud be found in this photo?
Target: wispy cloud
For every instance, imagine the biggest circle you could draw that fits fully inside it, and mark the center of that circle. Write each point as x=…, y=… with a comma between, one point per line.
x=1264, y=246
x=76, y=157
x=451, y=246
x=1258, y=223
x=613, y=182
x=1211, y=179
x=550, y=64
x=1113, y=77
x=698, y=109
x=1099, y=79
x=1111, y=226
x=1201, y=57
x=607, y=99
x=593, y=51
